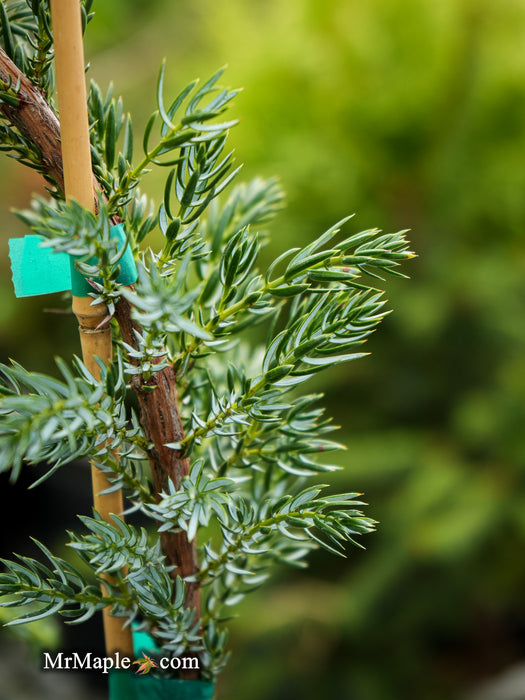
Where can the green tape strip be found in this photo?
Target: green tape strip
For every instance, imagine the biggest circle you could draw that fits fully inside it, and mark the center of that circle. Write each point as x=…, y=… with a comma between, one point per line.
x=128, y=269
x=37, y=270
x=126, y=685
x=143, y=642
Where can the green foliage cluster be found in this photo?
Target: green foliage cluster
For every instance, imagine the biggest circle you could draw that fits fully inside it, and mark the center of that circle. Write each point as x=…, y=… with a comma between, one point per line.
x=44, y=419
x=255, y=443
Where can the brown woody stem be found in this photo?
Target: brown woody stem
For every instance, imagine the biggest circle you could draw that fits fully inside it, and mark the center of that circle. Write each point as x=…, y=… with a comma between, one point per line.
x=160, y=419
x=35, y=120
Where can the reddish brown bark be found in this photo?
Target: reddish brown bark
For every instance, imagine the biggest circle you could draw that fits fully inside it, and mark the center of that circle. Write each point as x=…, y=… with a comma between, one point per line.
x=33, y=117
x=160, y=418
x=35, y=120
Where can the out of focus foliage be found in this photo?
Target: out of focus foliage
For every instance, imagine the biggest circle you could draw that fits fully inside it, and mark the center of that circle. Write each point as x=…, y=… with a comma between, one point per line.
x=412, y=114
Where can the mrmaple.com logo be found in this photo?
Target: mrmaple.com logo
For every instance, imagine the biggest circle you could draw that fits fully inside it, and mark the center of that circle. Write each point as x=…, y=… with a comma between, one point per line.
x=90, y=662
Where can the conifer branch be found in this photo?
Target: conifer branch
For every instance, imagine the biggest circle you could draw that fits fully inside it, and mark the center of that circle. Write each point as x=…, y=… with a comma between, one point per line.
x=38, y=125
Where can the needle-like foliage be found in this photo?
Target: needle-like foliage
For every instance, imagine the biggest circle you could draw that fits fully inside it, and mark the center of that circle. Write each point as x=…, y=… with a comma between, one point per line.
x=256, y=439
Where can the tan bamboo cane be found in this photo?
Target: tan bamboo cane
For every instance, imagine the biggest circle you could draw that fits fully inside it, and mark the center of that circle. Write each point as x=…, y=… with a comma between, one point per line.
x=78, y=183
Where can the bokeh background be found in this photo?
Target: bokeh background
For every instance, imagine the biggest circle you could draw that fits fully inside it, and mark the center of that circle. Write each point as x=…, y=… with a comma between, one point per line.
x=411, y=115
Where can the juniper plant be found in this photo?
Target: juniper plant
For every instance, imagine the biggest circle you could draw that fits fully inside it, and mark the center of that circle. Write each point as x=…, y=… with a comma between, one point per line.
x=223, y=454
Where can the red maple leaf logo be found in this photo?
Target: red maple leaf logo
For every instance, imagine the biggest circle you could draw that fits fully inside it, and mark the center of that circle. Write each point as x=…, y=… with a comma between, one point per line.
x=145, y=665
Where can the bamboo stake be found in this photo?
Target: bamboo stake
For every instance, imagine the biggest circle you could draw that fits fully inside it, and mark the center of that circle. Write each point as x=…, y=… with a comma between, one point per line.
x=78, y=183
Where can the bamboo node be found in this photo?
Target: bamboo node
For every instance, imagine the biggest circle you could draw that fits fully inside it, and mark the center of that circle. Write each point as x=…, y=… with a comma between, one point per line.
x=86, y=330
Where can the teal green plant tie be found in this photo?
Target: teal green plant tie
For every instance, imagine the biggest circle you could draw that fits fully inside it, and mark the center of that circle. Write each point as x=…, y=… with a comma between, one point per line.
x=38, y=270
x=128, y=270
x=143, y=642
x=128, y=685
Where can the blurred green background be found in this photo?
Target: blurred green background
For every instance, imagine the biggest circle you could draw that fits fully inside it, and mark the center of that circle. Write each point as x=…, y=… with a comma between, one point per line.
x=412, y=115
